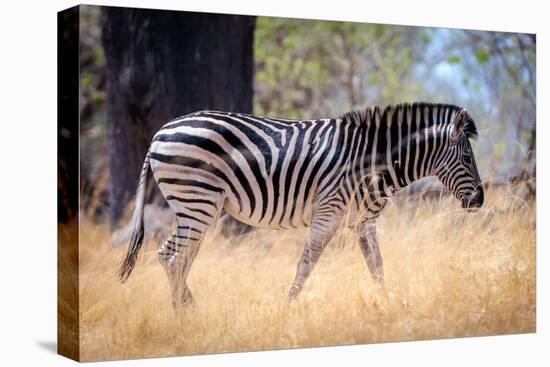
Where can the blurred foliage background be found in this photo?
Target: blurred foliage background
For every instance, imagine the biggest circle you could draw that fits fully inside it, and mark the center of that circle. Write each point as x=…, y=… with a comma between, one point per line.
x=315, y=69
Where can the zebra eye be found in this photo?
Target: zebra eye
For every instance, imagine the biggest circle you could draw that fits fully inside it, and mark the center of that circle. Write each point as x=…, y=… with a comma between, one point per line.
x=467, y=159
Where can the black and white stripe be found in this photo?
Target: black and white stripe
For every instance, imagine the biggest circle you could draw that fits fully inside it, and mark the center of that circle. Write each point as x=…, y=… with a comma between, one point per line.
x=278, y=173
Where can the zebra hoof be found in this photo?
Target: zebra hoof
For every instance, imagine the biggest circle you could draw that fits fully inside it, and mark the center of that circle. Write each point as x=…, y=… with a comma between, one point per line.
x=187, y=300
x=294, y=291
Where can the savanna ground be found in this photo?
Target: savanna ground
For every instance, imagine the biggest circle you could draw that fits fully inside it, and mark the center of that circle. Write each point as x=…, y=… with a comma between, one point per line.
x=448, y=274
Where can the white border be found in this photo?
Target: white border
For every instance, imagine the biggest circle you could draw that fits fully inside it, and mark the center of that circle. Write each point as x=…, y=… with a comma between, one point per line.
x=28, y=181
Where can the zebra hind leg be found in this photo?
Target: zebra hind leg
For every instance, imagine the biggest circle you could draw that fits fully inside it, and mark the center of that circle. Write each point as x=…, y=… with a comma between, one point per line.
x=371, y=251
x=195, y=211
x=177, y=255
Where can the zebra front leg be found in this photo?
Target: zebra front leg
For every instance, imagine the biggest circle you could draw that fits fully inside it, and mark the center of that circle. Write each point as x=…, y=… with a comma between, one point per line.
x=320, y=234
x=371, y=251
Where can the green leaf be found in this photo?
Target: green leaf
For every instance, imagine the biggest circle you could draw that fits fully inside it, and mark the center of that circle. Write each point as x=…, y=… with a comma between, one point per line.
x=453, y=59
x=482, y=56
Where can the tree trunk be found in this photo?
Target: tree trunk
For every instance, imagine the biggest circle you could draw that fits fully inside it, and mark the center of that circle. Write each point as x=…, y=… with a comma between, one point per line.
x=67, y=118
x=165, y=64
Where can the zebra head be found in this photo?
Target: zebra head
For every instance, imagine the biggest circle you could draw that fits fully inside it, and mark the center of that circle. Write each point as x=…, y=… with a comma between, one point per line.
x=457, y=168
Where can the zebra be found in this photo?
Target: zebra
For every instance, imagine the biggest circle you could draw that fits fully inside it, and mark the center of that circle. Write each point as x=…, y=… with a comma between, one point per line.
x=282, y=174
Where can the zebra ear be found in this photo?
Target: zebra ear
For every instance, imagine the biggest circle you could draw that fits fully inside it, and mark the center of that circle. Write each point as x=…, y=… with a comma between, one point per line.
x=458, y=125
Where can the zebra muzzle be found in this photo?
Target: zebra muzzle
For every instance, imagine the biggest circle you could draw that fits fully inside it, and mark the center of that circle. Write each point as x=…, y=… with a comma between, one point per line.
x=475, y=200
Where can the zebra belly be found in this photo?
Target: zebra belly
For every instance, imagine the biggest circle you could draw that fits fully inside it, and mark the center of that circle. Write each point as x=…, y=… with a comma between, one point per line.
x=300, y=219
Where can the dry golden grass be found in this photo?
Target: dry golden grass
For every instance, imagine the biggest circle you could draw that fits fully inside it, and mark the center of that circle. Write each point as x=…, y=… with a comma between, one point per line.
x=448, y=273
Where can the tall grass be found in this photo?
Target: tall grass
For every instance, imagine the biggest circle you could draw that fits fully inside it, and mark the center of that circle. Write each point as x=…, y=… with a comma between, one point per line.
x=448, y=274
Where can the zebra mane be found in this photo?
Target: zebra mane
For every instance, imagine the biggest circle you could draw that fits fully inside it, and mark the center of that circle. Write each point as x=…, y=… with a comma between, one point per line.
x=372, y=114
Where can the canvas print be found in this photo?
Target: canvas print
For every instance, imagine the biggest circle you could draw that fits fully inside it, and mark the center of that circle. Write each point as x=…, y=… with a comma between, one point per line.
x=232, y=183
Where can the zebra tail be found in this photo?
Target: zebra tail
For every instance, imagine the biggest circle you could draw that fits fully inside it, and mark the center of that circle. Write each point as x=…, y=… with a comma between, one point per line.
x=137, y=225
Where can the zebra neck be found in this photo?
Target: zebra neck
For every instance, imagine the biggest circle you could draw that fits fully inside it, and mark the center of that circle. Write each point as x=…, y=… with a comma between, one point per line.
x=417, y=156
